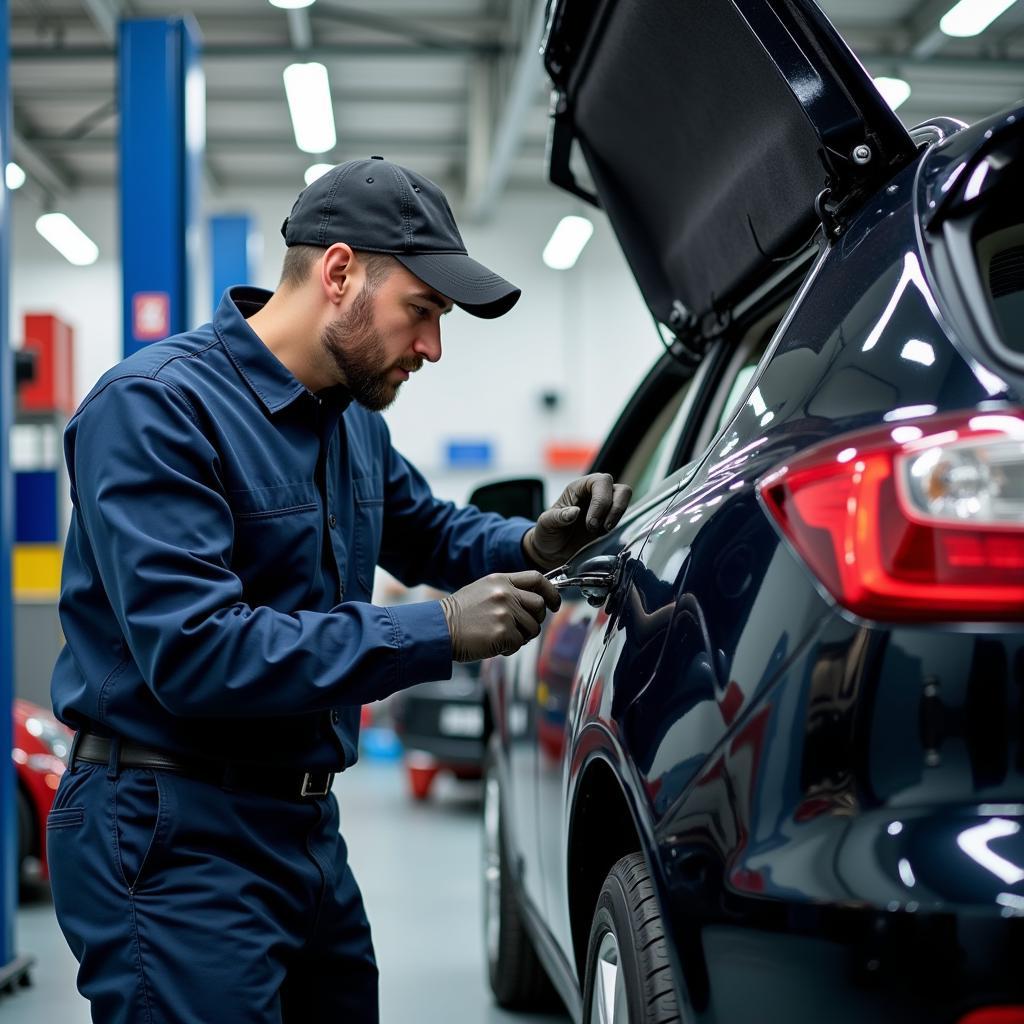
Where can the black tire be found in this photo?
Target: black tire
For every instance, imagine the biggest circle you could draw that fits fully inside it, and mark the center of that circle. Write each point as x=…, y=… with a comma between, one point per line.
x=627, y=933
x=26, y=829
x=516, y=976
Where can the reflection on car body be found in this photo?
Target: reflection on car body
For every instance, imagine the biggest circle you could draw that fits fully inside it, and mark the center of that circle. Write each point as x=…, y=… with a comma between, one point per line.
x=779, y=773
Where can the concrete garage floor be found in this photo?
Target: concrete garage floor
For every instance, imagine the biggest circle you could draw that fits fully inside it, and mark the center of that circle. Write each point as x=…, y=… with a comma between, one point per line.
x=418, y=869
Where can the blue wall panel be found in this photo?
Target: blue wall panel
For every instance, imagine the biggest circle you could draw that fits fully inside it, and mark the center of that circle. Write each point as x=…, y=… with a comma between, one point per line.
x=161, y=102
x=35, y=509
x=230, y=254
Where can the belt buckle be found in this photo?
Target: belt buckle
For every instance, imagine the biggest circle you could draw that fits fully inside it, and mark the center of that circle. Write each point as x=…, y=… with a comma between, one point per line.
x=308, y=784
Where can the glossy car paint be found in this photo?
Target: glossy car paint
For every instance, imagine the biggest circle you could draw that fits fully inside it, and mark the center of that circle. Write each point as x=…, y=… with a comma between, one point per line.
x=831, y=809
x=38, y=772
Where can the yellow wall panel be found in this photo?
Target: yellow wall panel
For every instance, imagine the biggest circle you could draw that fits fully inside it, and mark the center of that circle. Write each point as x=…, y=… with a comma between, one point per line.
x=36, y=571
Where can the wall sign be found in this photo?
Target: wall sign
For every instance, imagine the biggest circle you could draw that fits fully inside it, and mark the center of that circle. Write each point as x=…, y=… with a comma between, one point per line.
x=151, y=316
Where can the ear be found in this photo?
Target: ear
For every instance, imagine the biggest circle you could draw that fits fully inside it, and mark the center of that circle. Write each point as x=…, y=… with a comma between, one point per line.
x=336, y=273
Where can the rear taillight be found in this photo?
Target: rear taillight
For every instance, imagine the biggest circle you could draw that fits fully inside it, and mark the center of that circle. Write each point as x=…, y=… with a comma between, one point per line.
x=919, y=520
x=995, y=1015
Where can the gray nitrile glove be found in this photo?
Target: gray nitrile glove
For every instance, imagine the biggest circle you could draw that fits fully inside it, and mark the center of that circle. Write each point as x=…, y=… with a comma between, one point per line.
x=497, y=614
x=588, y=507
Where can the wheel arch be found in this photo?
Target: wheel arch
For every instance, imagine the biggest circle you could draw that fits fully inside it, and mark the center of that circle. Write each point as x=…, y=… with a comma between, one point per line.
x=603, y=829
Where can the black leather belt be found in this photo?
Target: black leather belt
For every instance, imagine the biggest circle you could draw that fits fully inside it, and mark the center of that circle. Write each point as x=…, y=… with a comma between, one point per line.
x=287, y=783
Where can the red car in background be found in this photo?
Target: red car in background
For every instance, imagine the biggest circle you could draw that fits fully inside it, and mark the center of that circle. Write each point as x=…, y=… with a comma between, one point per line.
x=40, y=754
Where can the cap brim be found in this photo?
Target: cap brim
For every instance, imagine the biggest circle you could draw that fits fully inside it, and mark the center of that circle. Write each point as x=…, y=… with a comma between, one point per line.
x=470, y=285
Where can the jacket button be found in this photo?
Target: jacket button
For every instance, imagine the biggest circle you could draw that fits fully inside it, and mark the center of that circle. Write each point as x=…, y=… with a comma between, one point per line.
x=335, y=717
x=332, y=520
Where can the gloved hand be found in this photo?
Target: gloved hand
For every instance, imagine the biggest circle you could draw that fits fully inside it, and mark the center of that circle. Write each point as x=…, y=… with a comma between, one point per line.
x=588, y=507
x=498, y=614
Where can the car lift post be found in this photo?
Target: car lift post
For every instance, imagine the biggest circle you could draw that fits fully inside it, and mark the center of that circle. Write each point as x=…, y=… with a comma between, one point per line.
x=162, y=141
x=13, y=969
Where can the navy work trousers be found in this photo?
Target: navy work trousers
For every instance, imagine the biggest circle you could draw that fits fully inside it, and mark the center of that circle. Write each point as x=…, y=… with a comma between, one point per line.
x=186, y=903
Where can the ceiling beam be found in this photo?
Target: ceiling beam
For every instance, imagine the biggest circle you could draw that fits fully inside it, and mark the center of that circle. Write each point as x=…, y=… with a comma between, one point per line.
x=105, y=15
x=49, y=173
x=479, y=119
x=43, y=93
x=403, y=27
x=300, y=29
x=320, y=51
x=975, y=68
x=292, y=181
x=926, y=38
x=279, y=144
x=527, y=78
x=85, y=125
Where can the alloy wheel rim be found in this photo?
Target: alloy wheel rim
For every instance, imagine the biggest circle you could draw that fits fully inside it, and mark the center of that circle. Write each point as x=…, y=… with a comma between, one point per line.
x=609, y=1005
x=492, y=867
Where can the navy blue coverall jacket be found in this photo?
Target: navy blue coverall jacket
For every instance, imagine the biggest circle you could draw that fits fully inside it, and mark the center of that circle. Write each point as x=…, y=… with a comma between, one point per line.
x=219, y=565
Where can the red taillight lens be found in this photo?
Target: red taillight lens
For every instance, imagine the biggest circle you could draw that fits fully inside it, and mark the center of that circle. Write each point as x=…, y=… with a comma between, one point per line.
x=995, y=1015
x=915, y=521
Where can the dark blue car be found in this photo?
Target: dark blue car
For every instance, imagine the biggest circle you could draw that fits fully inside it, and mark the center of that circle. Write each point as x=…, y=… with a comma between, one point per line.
x=767, y=762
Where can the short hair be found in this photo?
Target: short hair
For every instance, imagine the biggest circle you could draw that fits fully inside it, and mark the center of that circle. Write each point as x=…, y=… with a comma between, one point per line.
x=299, y=260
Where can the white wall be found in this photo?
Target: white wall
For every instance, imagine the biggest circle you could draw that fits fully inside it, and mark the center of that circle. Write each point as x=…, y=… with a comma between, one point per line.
x=583, y=332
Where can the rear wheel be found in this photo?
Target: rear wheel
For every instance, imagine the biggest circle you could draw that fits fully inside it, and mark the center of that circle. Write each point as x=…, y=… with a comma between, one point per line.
x=517, y=978
x=629, y=980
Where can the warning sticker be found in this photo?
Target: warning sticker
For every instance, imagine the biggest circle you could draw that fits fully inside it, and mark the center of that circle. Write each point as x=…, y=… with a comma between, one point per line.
x=151, y=316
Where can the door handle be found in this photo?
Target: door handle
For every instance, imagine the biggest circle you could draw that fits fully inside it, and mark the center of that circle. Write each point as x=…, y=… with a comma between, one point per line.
x=596, y=578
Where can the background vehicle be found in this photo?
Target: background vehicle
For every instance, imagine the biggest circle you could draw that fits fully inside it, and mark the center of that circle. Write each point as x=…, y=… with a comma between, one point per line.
x=773, y=769
x=40, y=752
x=441, y=726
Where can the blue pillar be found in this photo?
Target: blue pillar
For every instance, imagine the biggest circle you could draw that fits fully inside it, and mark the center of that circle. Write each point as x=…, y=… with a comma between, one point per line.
x=231, y=252
x=162, y=102
x=10, y=966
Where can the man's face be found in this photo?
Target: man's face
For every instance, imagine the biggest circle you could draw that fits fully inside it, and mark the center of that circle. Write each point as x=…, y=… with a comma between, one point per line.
x=385, y=336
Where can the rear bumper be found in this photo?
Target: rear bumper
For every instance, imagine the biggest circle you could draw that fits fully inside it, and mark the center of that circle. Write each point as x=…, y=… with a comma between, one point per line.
x=847, y=966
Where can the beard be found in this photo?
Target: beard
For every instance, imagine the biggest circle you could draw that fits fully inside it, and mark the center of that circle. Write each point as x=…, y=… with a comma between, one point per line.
x=358, y=351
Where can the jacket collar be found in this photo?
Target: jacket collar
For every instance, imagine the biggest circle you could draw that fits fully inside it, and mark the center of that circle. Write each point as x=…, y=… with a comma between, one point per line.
x=271, y=381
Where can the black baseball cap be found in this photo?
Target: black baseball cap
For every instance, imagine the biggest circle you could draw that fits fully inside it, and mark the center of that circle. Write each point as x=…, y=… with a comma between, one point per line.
x=378, y=206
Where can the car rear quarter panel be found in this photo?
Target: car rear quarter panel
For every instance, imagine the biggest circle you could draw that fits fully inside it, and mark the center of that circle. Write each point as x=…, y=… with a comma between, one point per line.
x=768, y=741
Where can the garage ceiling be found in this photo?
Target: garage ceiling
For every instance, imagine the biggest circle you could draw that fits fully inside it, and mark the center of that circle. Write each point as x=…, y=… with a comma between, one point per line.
x=453, y=87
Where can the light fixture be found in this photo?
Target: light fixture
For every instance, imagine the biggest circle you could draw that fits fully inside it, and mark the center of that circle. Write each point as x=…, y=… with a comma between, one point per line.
x=315, y=171
x=974, y=842
x=566, y=242
x=971, y=17
x=291, y=5
x=68, y=239
x=15, y=176
x=895, y=91
x=309, y=101
x=918, y=351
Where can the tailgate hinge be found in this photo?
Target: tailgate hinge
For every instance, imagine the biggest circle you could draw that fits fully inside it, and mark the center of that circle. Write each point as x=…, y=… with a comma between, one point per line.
x=693, y=335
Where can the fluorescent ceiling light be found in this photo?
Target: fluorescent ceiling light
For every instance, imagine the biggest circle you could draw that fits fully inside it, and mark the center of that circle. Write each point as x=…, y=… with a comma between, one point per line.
x=566, y=242
x=895, y=91
x=309, y=100
x=291, y=5
x=315, y=171
x=15, y=176
x=918, y=351
x=68, y=239
x=969, y=17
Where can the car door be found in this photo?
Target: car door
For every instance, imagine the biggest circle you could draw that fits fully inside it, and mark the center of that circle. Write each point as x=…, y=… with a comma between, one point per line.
x=616, y=650
x=667, y=647
x=640, y=453
x=533, y=684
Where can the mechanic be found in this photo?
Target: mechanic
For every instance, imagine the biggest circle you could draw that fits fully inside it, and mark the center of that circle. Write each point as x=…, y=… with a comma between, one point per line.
x=233, y=489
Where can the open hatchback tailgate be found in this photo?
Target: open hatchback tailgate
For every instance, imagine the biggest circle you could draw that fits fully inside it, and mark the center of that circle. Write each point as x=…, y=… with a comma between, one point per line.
x=719, y=135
